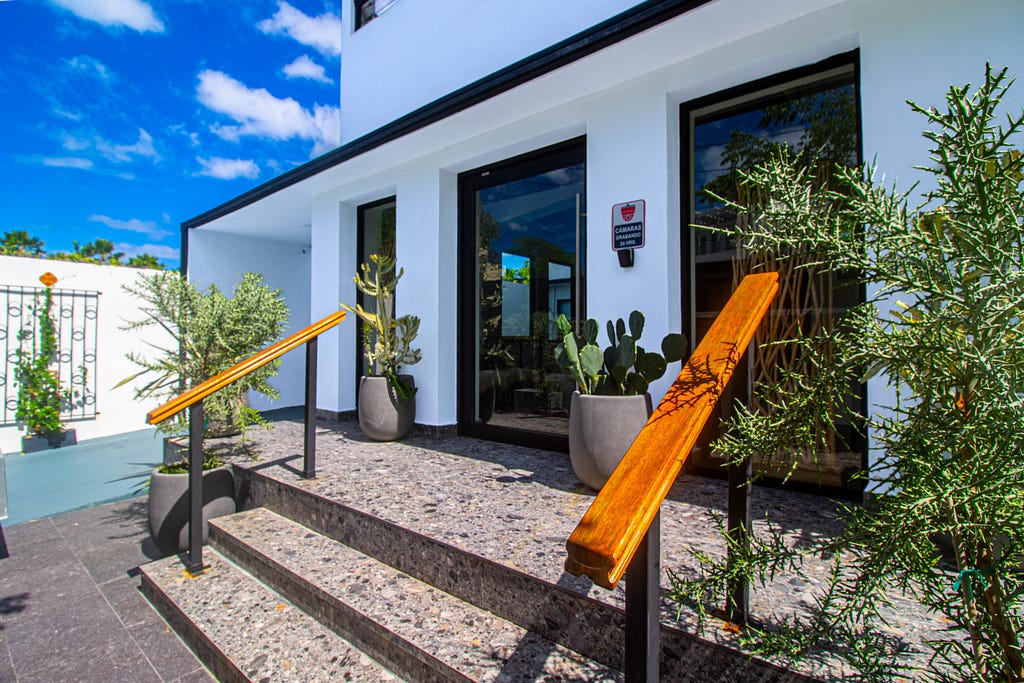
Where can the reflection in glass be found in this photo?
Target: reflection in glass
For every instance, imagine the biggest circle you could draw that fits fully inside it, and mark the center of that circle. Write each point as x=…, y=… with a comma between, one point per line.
x=527, y=233
x=815, y=125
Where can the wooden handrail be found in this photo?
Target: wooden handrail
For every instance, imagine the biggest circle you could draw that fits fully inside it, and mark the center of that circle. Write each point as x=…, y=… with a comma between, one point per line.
x=239, y=370
x=606, y=539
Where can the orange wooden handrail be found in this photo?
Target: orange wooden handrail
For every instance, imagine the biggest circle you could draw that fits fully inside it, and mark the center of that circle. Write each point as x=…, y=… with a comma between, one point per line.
x=240, y=370
x=606, y=539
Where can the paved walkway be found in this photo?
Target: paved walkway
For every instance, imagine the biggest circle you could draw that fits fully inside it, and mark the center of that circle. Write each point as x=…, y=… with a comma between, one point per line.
x=70, y=608
x=93, y=472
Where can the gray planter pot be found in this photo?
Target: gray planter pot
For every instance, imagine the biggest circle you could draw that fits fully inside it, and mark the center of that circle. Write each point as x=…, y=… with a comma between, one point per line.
x=168, y=506
x=601, y=430
x=33, y=444
x=383, y=414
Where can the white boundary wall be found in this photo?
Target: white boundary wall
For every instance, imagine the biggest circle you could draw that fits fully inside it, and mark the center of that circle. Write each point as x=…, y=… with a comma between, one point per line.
x=117, y=410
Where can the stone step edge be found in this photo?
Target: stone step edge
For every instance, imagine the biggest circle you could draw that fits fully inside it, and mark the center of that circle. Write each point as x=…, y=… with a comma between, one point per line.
x=398, y=654
x=565, y=606
x=213, y=658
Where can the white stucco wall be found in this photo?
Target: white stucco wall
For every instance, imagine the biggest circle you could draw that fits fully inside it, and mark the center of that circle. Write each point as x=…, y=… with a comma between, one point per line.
x=117, y=410
x=220, y=259
x=418, y=50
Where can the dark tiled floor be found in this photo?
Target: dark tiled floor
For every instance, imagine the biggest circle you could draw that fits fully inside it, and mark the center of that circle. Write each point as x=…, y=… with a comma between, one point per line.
x=70, y=607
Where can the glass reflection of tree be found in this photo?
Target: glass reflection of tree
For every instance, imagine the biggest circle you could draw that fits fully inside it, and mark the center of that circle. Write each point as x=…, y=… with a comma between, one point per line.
x=827, y=122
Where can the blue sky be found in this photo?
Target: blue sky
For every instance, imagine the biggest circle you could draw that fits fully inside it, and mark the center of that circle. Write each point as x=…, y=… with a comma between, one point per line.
x=123, y=118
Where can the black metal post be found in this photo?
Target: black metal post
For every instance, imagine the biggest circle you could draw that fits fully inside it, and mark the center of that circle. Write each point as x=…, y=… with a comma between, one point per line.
x=195, y=488
x=737, y=608
x=643, y=616
x=309, y=433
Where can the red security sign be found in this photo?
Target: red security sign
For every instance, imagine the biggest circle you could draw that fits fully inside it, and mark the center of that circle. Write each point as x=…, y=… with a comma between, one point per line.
x=628, y=225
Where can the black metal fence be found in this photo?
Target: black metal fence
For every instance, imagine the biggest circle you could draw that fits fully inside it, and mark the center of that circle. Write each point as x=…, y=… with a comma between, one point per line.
x=76, y=314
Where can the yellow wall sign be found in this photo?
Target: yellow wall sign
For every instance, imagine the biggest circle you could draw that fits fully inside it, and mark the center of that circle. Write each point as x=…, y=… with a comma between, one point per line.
x=48, y=279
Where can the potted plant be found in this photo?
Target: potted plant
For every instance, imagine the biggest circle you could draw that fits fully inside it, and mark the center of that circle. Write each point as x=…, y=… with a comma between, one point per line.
x=40, y=395
x=387, y=399
x=208, y=333
x=611, y=403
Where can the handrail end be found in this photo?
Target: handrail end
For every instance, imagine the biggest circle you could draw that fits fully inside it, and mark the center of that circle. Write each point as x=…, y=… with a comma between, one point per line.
x=601, y=573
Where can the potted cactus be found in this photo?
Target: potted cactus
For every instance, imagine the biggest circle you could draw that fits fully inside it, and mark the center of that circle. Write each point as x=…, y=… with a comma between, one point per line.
x=387, y=399
x=611, y=403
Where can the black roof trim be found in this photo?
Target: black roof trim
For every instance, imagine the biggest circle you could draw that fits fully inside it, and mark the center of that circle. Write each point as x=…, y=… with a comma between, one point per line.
x=621, y=26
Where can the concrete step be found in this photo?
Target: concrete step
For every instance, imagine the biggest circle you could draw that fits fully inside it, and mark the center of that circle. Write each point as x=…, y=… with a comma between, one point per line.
x=418, y=631
x=243, y=631
x=558, y=612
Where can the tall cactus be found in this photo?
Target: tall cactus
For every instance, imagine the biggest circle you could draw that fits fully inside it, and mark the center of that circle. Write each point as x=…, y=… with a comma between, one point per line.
x=387, y=343
x=624, y=368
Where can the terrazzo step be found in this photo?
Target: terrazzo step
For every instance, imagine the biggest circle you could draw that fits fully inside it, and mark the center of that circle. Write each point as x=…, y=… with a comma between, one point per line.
x=243, y=631
x=420, y=632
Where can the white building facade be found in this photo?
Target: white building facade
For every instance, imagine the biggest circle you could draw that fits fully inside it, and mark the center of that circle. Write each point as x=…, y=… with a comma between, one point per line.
x=497, y=137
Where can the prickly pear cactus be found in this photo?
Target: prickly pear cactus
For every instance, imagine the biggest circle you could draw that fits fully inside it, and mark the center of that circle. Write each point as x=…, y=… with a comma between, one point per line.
x=624, y=368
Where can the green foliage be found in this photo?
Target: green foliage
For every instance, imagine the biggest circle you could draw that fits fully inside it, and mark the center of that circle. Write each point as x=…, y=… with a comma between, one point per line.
x=210, y=462
x=945, y=328
x=209, y=333
x=624, y=368
x=40, y=396
x=20, y=243
x=144, y=261
x=387, y=341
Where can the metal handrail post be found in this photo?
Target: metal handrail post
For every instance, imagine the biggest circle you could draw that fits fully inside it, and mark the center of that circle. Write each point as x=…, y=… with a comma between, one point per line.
x=195, y=488
x=309, y=436
x=643, y=613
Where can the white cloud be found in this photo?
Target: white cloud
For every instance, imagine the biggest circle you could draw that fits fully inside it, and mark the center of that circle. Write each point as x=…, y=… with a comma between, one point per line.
x=121, y=153
x=117, y=153
x=322, y=33
x=304, y=67
x=148, y=228
x=161, y=251
x=133, y=14
x=90, y=66
x=257, y=113
x=66, y=162
x=228, y=169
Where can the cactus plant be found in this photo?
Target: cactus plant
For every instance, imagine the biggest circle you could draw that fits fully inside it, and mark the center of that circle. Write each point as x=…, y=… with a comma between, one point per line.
x=624, y=368
x=387, y=342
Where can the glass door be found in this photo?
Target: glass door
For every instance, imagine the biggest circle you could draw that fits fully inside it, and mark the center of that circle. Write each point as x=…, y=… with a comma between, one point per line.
x=522, y=233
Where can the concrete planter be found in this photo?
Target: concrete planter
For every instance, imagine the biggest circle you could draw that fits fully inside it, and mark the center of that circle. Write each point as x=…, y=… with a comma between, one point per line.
x=169, y=505
x=383, y=414
x=601, y=430
x=32, y=444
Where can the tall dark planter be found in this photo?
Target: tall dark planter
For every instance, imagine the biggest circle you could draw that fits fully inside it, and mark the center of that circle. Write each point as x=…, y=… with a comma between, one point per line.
x=168, y=506
x=601, y=430
x=383, y=414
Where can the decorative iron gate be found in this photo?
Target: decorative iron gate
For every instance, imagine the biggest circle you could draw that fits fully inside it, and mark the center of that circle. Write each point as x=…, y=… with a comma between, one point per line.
x=75, y=313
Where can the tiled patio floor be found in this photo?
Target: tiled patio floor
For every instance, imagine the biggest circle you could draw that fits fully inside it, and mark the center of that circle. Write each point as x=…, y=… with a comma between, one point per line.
x=70, y=608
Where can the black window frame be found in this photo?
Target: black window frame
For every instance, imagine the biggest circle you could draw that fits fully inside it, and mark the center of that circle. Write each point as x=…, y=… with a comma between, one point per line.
x=538, y=161
x=762, y=91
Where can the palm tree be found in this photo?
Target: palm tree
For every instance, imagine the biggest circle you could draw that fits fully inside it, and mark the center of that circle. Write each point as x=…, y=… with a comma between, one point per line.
x=20, y=243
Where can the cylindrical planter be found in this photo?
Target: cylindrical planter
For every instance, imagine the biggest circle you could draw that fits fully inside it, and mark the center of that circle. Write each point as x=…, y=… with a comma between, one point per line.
x=169, y=506
x=601, y=430
x=383, y=414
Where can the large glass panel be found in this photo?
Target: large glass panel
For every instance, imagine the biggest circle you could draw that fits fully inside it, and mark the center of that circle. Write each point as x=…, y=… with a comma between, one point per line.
x=815, y=121
x=376, y=236
x=528, y=232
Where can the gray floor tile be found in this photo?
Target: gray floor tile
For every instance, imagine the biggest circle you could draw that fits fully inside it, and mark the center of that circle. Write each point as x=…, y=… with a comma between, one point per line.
x=115, y=661
x=127, y=601
x=200, y=675
x=165, y=651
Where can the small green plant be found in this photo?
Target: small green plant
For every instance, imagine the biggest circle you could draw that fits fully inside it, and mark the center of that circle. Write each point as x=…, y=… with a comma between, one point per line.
x=40, y=396
x=624, y=368
x=387, y=340
x=208, y=333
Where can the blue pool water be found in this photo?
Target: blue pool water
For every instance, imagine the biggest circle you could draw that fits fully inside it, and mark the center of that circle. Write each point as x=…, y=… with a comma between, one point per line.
x=92, y=472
